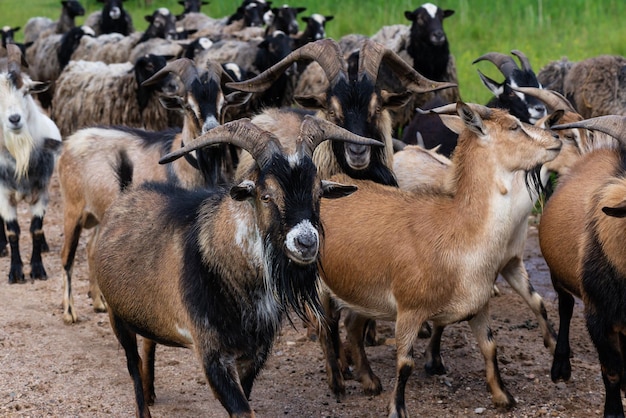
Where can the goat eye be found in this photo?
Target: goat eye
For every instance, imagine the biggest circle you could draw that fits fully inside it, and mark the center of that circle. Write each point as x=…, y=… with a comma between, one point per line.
x=266, y=198
x=514, y=127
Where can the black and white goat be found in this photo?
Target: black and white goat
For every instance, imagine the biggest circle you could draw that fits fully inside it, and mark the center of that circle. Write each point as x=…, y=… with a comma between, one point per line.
x=113, y=18
x=36, y=26
x=29, y=148
x=525, y=107
x=235, y=261
x=283, y=18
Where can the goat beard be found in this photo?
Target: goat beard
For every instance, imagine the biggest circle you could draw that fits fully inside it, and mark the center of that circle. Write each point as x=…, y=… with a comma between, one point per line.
x=20, y=147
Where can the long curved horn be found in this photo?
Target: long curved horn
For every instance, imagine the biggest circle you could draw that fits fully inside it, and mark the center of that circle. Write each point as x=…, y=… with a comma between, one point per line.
x=183, y=67
x=314, y=131
x=261, y=144
x=326, y=52
x=450, y=109
x=613, y=125
x=553, y=99
x=505, y=63
x=371, y=56
x=523, y=59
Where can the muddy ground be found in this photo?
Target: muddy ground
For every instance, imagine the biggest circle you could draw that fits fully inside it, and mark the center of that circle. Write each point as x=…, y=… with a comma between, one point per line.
x=48, y=368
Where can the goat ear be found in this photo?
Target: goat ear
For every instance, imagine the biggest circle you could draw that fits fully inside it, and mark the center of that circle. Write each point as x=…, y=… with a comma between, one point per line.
x=300, y=9
x=243, y=191
x=554, y=118
x=329, y=18
x=38, y=87
x=493, y=86
x=618, y=211
x=410, y=15
x=395, y=100
x=148, y=18
x=447, y=13
x=311, y=102
x=471, y=119
x=333, y=190
x=453, y=122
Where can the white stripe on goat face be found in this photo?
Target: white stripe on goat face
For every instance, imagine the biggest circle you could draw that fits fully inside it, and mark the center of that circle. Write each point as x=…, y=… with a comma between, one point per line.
x=431, y=9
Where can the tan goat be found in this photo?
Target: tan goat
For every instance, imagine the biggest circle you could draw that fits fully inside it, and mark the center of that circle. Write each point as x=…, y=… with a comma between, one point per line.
x=383, y=262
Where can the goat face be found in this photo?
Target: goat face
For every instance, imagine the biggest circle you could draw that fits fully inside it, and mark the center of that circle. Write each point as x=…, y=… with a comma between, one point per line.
x=252, y=14
x=8, y=35
x=15, y=104
x=427, y=26
x=162, y=24
x=192, y=6
x=315, y=26
x=284, y=18
x=73, y=8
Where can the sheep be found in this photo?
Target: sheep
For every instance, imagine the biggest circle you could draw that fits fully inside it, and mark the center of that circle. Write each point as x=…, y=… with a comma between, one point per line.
x=353, y=101
x=90, y=93
x=113, y=18
x=231, y=266
x=249, y=13
x=89, y=150
x=283, y=19
x=314, y=31
x=552, y=75
x=410, y=289
x=30, y=145
x=49, y=55
x=425, y=46
x=190, y=6
x=587, y=210
x=35, y=26
x=527, y=109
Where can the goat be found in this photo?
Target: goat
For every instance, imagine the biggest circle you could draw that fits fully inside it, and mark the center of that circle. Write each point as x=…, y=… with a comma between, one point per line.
x=425, y=46
x=250, y=13
x=353, y=101
x=231, y=267
x=87, y=196
x=552, y=75
x=588, y=208
x=409, y=289
x=527, y=109
x=8, y=34
x=36, y=26
x=113, y=18
x=90, y=93
x=30, y=145
x=190, y=6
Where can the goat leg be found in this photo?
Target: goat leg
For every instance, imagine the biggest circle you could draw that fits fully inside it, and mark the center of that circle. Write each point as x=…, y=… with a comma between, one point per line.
x=222, y=375
x=37, y=271
x=16, y=273
x=148, y=349
x=434, y=363
x=3, y=240
x=357, y=327
x=561, y=366
x=482, y=332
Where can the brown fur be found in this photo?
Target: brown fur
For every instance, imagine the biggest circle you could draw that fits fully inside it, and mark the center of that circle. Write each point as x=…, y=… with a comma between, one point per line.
x=442, y=264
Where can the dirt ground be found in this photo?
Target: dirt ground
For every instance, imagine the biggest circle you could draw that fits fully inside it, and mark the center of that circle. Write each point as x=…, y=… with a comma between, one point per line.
x=51, y=369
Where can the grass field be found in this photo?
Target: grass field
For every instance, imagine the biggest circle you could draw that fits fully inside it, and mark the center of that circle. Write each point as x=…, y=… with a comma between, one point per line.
x=544, y=30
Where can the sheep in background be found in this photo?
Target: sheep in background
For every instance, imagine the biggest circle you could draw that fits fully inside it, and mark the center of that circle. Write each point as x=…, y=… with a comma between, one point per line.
x=231, y=268
x=90, y=93
x=30, y=145
x=314, y=31
x=50, y=54
x=111, y=19
x=283, y=18
x=552, y=75
x=36, y=26
x=190, y=6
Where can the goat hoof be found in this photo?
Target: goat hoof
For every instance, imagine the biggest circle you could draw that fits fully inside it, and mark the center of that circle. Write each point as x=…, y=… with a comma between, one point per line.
x=16, y=276
x=38, y=272
x=561, y=370
x=433, y=368
x=505, y=401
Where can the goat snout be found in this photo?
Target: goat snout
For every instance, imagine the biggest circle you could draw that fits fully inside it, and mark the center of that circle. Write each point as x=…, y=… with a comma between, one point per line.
x=16, y=121
x=358, y=156
x=303, y=243
x=438, y=38
x=115, y=13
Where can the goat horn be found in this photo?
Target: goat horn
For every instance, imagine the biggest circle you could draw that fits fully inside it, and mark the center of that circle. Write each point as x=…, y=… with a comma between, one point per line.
x=325, y=52
x=183, y=67
x=262, y=145
x=450, y=109
x=505, y=63
x=613, y=125
x=553, y=99
x=371, y=56
x=314, y=131
x=523, y=59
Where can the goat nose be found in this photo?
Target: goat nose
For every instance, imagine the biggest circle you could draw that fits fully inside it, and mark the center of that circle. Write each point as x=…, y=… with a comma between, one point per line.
x=15, y=119
x=307, y=241
x=540, y=109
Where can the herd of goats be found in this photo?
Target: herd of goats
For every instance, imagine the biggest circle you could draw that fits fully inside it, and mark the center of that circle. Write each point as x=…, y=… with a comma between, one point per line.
x=277, y=172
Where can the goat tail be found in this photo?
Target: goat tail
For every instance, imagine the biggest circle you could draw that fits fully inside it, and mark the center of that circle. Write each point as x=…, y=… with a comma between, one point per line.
x=123, y=169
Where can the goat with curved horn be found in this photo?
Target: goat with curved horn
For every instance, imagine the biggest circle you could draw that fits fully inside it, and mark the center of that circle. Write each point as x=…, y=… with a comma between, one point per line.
x=504, y=62
x=613, y=125
x=523, y=59
x=553, y=99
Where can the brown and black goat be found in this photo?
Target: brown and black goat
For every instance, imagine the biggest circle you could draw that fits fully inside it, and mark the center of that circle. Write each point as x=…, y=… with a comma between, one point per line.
x=88, y=183
x=235, y=260
x=383, y=262
x=584, y=227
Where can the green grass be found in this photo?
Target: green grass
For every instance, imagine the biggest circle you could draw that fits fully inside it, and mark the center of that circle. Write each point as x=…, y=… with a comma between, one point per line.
x=544, y=30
